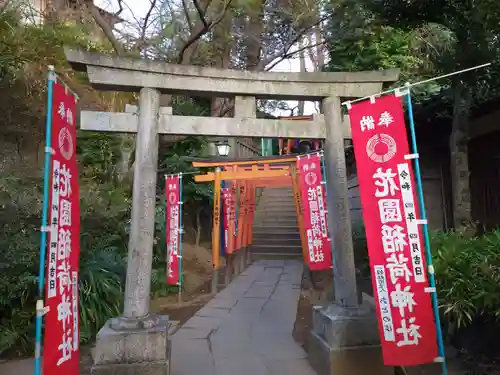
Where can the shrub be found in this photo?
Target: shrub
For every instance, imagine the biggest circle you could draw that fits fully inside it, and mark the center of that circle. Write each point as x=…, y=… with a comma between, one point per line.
x=25, y=52
x=102, y=263
x=467, y=271
x=468, y=276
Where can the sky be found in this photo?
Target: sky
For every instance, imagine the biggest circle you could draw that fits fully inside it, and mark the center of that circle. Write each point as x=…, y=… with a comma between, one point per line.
x=137, y=9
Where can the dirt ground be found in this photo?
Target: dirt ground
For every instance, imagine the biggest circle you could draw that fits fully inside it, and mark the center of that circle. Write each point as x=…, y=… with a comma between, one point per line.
x=315, y=291
x=197, y=270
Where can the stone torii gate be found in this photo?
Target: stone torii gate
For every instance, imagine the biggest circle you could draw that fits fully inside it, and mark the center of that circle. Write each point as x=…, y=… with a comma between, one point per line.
x=345, y=337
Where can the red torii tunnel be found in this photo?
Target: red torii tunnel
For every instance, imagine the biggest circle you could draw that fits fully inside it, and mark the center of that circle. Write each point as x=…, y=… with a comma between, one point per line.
x=244, y=176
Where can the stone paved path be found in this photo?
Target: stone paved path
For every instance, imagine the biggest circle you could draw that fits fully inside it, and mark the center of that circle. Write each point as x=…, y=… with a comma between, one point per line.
x=246, y=328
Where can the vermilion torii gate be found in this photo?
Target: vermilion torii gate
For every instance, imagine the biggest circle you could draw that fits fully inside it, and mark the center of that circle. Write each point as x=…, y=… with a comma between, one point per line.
x=336, y=343
x=248, y=177
x=241, y=178
x=261, y=172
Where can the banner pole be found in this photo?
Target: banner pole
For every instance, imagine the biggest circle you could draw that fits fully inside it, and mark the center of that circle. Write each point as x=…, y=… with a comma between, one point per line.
x=430, y=267
x=181, y=231
x=323, y=168
x=51, y=77
x=325, y=184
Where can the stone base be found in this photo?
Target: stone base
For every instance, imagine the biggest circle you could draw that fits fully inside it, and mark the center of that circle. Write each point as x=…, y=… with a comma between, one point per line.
x=148, y=368
x=133, y=351
x=346, y=341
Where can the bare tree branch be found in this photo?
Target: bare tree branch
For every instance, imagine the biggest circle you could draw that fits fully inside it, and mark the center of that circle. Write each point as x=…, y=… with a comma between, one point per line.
x=289, y=55
x=207, y=26
x=137, y=20
x=188, y=17
x=120, y=7
x=286, y=50
x=105, y=27
x=201, y=13
x=145, y=25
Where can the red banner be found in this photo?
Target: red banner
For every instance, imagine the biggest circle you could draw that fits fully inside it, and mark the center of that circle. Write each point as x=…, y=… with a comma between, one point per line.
x=312, y=194
x=172, y=226
x=229, y=216
x=61, y=353
x=234, y=192
x=385, y=175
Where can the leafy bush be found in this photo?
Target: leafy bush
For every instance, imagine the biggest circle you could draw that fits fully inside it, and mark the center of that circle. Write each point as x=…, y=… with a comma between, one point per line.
x=467, y=271
x=468, y=275
x=102, y=263
x=25, y=52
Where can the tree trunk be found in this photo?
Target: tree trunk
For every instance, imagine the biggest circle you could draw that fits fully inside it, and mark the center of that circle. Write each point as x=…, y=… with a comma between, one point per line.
x=254, y=30
x=198, y=226
x=459, y=166
x=302, y=61
x=125, y=169
x=222, y=48
x=320, y=49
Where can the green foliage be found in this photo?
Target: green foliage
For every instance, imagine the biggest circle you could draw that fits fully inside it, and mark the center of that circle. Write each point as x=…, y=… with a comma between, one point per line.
x=467, y=272
x=101, y=288
x=470, y=36
x=99, y=153
x=25, y=52
x=175, y=159
x=101, y=266
x=468, y=275
x=358, y=39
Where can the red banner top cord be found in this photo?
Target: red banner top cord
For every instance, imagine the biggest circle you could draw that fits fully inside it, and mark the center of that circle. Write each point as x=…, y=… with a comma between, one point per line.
x=390, y=211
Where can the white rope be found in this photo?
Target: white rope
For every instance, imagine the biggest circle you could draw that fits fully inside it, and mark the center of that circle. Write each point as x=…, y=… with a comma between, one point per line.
x=408, y=85
x=53, y=74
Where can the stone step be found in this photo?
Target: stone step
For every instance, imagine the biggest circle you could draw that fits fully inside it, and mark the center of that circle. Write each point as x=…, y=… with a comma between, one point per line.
x=275, y=241
x=275, y=229
x=285, y=220
x=277, y=213
x=277, y=195
x=277, y=191
x=271, y=207
x=268, y=256
x=277, y=204
x=269, y=211
x=277, y=218
x=282, y=196
x=273, y=223
x=278, y=198
x=277, y=249
x=277, y=224
x=277, y=235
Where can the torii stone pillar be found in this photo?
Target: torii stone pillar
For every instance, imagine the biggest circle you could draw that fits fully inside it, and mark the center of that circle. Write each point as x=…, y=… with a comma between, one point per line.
x=345, y=338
